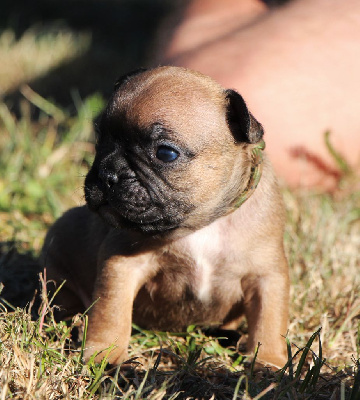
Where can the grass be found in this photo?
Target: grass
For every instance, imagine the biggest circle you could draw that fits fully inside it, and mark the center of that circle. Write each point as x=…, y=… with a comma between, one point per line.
x=41, y=160
x=36, y=52
x=45, y=152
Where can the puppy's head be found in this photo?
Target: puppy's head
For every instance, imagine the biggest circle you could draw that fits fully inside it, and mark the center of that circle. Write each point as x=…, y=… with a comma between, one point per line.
x=173, y=152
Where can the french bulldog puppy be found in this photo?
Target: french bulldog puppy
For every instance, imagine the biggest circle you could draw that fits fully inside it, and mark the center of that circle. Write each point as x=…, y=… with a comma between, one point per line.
x=175, y=231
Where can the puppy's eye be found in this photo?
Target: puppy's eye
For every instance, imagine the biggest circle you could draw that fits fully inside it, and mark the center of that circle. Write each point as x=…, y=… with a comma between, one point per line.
x=167, y=154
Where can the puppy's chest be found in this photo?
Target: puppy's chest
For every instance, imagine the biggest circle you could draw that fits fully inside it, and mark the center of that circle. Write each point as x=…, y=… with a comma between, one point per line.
x=205, y=272
x=200, y=272
x=194, y=284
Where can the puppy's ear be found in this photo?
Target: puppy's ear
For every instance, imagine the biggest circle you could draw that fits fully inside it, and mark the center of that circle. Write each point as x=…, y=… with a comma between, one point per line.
x=243, y=126
x=126, y=77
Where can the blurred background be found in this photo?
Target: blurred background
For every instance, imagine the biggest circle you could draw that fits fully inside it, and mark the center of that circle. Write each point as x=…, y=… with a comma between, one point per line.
x=60, y=46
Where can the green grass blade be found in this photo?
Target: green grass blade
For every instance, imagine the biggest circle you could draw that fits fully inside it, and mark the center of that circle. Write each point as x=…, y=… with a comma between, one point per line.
x=252, y=366
x=237, y=387
x=83, y=341
x=338, y=158
x=44, y=105
x=305, y=352
x=355, y=391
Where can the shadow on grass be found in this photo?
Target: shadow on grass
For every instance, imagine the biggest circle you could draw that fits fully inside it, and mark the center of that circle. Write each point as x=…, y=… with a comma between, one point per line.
x=19, y=276
x=206, y=378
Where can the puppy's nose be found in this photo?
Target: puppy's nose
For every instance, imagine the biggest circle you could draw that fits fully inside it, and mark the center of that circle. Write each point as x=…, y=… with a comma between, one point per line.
x=110, y=178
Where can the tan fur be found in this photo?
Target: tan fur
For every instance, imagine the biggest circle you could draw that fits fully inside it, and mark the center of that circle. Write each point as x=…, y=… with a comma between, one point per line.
x=212, y=275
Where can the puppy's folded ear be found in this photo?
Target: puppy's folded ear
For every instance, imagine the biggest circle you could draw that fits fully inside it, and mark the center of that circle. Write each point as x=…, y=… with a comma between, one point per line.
x=243, y=126
x=125, y=78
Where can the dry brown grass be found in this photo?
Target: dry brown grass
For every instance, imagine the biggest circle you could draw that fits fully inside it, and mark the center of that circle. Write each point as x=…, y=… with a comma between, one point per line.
x=323, y=241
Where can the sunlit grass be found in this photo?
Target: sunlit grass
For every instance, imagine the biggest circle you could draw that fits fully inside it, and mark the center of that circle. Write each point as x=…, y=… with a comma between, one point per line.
x=43, y=163
x=37, y=51
x=322, y=242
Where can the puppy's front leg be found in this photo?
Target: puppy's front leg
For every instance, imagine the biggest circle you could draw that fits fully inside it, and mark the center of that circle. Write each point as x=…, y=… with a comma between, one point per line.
x=120, y=278
x=266, y=310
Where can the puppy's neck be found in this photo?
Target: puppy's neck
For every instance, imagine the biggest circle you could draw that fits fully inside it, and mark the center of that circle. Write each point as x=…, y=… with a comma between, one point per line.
x=255, y=173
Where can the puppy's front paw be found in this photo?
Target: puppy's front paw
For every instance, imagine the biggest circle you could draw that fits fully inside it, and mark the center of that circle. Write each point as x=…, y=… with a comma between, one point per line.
x=115, y=354
x=271, y=360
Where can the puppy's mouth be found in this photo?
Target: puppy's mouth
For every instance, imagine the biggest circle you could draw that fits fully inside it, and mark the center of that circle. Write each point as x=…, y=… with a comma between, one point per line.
x=131, y=207
x=144, y=222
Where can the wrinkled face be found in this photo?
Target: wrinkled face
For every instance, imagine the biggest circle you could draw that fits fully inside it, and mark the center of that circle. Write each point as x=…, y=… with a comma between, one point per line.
x=165, y=157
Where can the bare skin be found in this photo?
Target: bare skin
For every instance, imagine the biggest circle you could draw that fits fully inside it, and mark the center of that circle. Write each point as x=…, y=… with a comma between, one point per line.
x=297, y=66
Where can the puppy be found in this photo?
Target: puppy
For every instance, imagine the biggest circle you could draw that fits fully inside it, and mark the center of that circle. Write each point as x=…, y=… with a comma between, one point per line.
x=175, y=231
